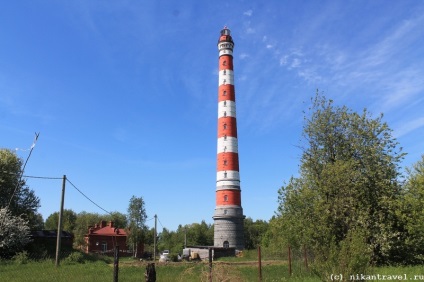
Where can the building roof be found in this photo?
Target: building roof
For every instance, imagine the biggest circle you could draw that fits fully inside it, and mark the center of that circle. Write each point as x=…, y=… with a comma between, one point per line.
x=104, y=229
x=49, y=234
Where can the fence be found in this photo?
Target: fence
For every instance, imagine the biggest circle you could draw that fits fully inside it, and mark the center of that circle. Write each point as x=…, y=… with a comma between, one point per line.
x=250, y=265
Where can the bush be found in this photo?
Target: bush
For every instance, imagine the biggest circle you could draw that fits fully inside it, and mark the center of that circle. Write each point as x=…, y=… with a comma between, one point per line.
x=351, y=255
x=21, y=258
x=74, y=257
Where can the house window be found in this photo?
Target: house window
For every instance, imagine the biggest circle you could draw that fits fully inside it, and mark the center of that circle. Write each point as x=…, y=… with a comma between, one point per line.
x=226, y=244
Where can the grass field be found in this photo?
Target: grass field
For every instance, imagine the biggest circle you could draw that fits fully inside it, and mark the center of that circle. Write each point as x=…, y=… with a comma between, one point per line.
x=131, y=270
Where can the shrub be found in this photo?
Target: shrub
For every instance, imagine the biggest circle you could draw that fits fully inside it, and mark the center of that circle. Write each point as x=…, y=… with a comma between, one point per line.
x=21, y=258
x=74, y=257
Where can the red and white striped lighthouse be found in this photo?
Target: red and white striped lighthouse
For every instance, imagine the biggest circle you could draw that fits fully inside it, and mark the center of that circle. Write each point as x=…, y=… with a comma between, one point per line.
x=228, y=216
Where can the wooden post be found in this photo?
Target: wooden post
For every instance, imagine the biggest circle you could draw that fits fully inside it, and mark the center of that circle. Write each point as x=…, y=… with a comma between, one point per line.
x=290, y=262
x=210, y=264
x=116, y=264
x=154, y=239
x=259, y=263
x=150, y=273
x=59, y=224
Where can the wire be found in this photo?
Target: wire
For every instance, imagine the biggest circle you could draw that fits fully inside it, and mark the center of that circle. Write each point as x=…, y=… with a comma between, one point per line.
x=160, y=223
x=87, y=197
x=23, y=168
x=42, y=177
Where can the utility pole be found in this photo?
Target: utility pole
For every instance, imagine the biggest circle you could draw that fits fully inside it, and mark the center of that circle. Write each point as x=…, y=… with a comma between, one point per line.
x=185, y=237
x=59, y=225
x=154, y=239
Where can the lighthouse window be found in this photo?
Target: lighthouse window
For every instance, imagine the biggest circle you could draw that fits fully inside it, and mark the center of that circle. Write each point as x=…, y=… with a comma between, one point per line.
x=225, y=211
x=226, y=244
x=225, y=81
x=225, y=71
x=225, y=137
x=224, y=93
x=225, y=198
x=225, y=126
x=225, y=162
x=224, y=63
x=225, y=174
x=225, y=114
x=225, y=103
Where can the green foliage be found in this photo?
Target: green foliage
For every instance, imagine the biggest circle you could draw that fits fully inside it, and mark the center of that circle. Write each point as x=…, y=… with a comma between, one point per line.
x=69, y=219
x=74, y=257
x=14, y=233
x=411, y=214
x=197, y=234
x=137, y=223
x=21, y=258
x=83, y=222
x=14, y=190
x=348, y=182
x=253, y=232
x=350, y=255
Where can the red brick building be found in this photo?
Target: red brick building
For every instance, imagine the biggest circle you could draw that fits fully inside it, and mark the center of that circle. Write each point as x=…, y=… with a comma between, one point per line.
x=104, y=237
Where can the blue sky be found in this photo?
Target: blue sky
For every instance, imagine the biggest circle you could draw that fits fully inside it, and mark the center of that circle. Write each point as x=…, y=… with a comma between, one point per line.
x=124, y=93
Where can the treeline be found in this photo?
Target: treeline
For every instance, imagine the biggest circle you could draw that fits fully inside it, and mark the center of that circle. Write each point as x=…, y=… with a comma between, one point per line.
x=195, y=234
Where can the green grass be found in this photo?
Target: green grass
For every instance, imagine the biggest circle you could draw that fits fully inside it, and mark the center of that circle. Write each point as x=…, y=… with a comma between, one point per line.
x=132, y=270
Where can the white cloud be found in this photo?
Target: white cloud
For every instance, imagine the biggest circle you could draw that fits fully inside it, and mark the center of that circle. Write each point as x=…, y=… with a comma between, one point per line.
x=250, y=30
x=409, y=127
x=248, y=13
x=243, y=56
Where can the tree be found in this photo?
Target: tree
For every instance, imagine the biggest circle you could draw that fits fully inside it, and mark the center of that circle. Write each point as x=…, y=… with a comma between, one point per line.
x=411, y=213
x=69, y=219
x=14, y=233
x=347, y=189
x=83, y=222
x=14, y=193
x=253, y=232
x=137, y=218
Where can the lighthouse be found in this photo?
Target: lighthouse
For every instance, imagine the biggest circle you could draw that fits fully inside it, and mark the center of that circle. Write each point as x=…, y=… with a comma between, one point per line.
x=228, y=217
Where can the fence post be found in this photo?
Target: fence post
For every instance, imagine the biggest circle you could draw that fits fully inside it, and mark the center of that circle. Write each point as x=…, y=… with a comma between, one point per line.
x=210, y=264
x=290, y=261
x=116, y=264
x=259, y=263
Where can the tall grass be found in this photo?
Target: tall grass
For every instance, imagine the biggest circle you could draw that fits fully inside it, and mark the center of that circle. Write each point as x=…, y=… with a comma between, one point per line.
x=75, y=269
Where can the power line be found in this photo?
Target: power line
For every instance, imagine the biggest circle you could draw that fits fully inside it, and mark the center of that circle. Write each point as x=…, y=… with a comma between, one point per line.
x=42, y=177
x=87, y=197
x=150, y=219
x=160, y=223
x=23, y=168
